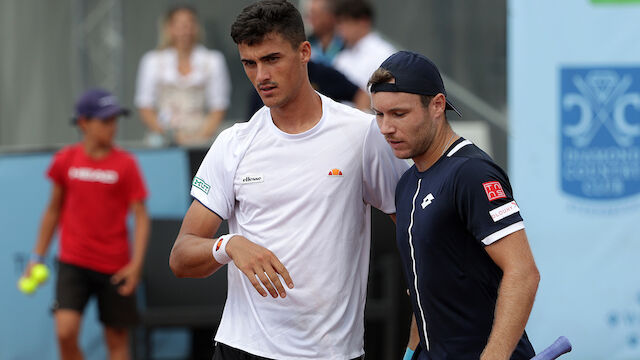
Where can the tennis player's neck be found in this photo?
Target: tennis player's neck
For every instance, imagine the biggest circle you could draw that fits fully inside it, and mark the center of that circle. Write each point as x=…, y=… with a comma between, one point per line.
x=300, y=114
x=436, y=150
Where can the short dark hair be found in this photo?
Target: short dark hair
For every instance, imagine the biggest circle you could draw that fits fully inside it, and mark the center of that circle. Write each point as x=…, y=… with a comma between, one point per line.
x=382, y=75
x=354, y=9
x=268, y=16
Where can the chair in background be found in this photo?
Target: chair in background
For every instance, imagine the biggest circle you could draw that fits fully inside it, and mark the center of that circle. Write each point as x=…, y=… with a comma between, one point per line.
x=167, y=301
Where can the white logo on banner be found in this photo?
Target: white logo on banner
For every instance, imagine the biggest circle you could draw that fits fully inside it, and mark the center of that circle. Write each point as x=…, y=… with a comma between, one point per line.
x=600, y=132
x=602, y=102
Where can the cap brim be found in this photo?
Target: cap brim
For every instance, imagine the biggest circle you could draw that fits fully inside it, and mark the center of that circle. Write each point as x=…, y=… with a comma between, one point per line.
x=451, y=107
x=111, y=112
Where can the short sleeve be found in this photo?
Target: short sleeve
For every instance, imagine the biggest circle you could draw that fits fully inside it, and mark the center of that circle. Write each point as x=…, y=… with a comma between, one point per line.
x=484, y=201
x=137, y=190
x=58, y=168
x=145, y=95
x=218, y=84
x=381, y=171
x=213, y=183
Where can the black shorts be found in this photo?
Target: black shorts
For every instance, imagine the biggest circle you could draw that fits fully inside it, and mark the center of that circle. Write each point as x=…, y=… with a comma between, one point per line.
x=75, y=285
x=226, y=352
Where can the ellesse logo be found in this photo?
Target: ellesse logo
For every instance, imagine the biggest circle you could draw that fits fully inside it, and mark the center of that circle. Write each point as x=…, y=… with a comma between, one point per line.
x=249, y=179
x=335, y=172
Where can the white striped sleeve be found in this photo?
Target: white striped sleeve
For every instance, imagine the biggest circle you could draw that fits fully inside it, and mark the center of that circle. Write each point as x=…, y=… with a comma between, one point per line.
x=502, y=233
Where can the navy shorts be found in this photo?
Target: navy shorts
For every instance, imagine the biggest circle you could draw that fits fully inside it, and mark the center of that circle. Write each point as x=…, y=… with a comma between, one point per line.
x=76, y=285
x=225, y=352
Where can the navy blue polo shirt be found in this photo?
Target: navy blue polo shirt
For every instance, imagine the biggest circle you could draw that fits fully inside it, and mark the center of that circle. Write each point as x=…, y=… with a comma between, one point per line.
x=445, y=217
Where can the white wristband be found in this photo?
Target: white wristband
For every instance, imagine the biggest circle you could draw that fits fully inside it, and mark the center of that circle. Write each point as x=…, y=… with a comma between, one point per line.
x=220, y=249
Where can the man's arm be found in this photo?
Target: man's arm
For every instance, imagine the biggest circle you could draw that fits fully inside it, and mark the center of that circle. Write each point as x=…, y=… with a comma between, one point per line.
x=130, y=274
x=48, y=224
x=150, y=119
x=515, y=296
x=414, y=336
x=214, y=119
x=192, y=254
x=206, y=131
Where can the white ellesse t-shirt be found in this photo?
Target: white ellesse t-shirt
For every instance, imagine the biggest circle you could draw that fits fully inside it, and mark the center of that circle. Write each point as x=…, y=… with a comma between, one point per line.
x=306, y=198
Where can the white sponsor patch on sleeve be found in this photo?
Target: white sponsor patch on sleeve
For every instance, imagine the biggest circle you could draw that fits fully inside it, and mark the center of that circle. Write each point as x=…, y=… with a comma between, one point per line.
x=504, y=211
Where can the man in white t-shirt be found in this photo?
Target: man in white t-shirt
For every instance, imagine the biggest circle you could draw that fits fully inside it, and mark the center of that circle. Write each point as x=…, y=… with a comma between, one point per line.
x=364, y=48
x=296, y=184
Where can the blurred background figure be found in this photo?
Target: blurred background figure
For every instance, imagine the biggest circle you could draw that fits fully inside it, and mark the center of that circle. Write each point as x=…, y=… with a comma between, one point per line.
x=325, y=43
x=183, y=88
x=95, y=185
x=364, y=49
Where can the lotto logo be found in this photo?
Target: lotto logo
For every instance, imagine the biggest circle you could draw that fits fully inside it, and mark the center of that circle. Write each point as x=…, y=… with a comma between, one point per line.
x=494, y=190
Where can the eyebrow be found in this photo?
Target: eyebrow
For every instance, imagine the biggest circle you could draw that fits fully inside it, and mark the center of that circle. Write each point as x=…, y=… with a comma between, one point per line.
x=262, y=58
x=398, y=108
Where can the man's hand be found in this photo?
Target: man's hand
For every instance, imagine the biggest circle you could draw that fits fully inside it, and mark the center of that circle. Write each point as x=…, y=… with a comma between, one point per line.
x=128, y=277
x=254, y=260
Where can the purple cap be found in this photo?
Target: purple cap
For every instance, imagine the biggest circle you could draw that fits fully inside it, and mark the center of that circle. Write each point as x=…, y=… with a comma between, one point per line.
x=98, y=103
x=415, y=74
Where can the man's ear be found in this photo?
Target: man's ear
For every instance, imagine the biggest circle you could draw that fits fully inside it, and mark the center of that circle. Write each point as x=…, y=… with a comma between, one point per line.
x=439, y=103
x=305, y=51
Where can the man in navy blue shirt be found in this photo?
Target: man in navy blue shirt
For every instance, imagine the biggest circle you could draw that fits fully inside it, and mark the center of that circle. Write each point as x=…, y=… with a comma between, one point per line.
x=465, y=254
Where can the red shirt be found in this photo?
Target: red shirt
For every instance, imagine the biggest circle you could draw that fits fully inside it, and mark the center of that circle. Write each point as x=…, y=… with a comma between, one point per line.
x=96, y=200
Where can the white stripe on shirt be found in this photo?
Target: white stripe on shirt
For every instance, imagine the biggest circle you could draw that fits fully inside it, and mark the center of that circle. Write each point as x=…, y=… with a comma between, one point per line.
x=502, y=233
x=458, y=147
x=415, y=273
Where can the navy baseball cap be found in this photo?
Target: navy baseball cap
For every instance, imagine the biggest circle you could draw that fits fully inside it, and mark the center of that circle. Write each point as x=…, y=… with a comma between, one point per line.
x=415, y=74
x=98, y=103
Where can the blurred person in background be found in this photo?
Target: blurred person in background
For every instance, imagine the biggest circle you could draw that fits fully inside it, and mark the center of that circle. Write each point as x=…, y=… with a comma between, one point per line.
x=325, y=43
x=183, y=88
x=95, y=186
x=365, y=49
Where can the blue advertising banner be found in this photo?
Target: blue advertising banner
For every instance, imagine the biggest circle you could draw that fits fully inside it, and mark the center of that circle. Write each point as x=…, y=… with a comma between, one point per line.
x=574, y=162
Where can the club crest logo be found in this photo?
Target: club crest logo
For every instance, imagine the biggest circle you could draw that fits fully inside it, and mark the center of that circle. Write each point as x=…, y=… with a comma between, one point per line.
x=600, y=132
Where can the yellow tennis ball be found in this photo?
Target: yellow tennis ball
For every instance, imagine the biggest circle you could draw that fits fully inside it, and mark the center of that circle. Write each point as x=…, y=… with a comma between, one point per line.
x=39, y=273
x=27, y=285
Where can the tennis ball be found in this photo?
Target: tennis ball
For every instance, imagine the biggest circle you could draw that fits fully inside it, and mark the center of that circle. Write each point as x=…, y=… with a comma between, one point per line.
x=39, y=273
x=27, y=285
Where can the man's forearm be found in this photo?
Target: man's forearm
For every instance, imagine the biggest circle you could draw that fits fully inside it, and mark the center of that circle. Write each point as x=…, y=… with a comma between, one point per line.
x=515, y=300
x=192, y=257
x=414, y=336
x=214, y=119
x=150, y=119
